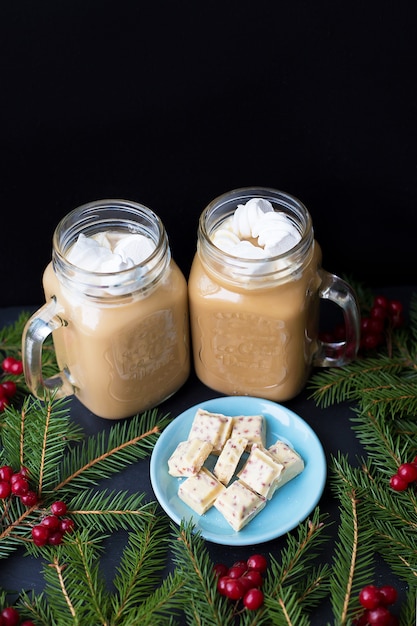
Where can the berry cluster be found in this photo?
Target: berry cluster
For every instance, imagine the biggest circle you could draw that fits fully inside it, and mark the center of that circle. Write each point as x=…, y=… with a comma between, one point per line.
x=375, y=601
x=243, y=581
x=10, y=616
x=53, y=527
x=384, y=313
x=17, y=484
x=8, y=388
x=406, y=475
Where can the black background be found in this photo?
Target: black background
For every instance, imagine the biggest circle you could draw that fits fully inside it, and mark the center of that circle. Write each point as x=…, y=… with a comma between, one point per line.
x=173, y=103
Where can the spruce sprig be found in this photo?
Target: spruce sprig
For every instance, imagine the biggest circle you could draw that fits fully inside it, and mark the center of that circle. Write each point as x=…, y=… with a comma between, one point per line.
x=296, y=581
x=204, y=606
x=76, y=592
x=354, y=554
x=107, y=453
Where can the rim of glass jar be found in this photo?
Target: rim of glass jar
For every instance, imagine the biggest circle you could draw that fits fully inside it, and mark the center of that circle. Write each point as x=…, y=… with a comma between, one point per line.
x=261, y=272
x=100, y=215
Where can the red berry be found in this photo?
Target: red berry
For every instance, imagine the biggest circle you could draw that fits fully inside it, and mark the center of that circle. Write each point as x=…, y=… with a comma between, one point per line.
x=253, y=599
x=55, y=538
x=40, y=535
x=388, y=595
x=395, y=307
x=397, y=483
x=240, y=564
x=9, y=388
x=258, y=562
x=10, y=616
x=370, y=341
x=407, y=471
x=255, y=578
x=379, y=616
x=369, y=597
x=27, y=622
x=19, y=485
x=234, y=590
x=361, y=620
x=51, y=522
x=3, y=403
x=381, y=301
x=220, y=569
x=67, y=526
x=375, y=326
x=6, y=472
x=58, y=508
x=378, y=312
x=8, y=363
x=30, y=498
x=16, y=367
x=24, y=471
x=5, y=489
x=236, y=571
x=221, y=584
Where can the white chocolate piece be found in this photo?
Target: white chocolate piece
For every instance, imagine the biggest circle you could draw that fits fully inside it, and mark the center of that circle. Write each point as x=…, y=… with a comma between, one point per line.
x=188, y=457
x=212, y=427
x=238, y=504
x=252, y=427
x=292, y=462
x=200, y=491
x=229, y=458
x=261, y=472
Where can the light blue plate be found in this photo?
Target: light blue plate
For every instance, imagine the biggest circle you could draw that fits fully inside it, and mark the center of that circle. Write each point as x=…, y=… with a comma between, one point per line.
x=290, y=505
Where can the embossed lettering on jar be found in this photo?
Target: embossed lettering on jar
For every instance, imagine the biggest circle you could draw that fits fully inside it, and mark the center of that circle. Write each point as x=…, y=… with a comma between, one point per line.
x=254, y=290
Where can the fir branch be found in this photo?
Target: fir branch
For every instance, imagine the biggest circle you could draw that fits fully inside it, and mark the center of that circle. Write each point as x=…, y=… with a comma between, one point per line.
x=138, y=599
x=35, y=607
x=107, y=511
x=342, y=384
x=391, y=517
x=355, y=548
x=105, y=454
x=161, y=608
x=35, y=436
x=285, y=610
x=141, y=564
x=74, y=586
x=204, y=605
x=295, y=570
x=380, y=439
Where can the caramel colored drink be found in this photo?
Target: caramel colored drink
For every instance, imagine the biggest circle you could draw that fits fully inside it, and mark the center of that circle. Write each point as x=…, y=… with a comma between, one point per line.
x=117, y=306
x=125, y=356
x=255, y=313
x=254, y=343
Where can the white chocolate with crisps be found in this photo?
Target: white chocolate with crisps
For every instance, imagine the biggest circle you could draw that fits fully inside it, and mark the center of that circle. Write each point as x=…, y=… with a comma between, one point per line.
x=229, y=458
x=200, y=491
x=291, y=461
x=212, y=427
x=189, y=457
x=239, y=504
x=238, y=495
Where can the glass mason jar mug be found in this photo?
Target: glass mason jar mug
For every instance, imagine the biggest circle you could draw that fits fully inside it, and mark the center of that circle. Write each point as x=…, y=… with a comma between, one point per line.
x=254, y=295
x=116, y=305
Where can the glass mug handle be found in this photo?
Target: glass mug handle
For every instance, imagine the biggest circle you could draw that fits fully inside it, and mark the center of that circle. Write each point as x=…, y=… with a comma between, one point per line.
x=39, y=326
x=339, y=353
